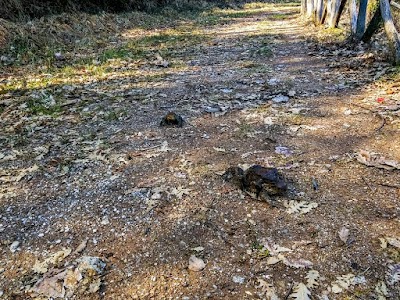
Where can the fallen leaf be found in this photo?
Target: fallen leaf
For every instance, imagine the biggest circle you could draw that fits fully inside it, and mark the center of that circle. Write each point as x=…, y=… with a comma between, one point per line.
x=219, y=149
x=198, y=249
x=161, y=62
x=393, y=242
x=164, y=147
x=344, y=234
x=301, y=207
x=381, y=290
x=42, y=267
x=297, y=263
x=273, y=260
x=376, y=160
x=275, y=249
x=179, y=192
x=301, y=292
x=283, y=151
x=267, y=289
x=312, y=279
x=52, y=287
x=393, y=274
x=342, y=283
x=384, y=243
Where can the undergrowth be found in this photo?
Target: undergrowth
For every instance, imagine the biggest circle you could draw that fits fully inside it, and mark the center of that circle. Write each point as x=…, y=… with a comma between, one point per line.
x=71, y=47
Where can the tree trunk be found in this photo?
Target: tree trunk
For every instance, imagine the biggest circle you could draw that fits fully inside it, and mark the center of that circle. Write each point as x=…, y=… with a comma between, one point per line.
x=337, y=7
x=361, y=19
x=319, y=11
x=303, y=7
x=310, y=9
x=325, y=13
x=353, y=16
x=391, y=32
x=373, y=26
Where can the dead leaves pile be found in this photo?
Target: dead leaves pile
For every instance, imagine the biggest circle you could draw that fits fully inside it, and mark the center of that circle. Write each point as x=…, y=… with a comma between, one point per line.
x=81, y=276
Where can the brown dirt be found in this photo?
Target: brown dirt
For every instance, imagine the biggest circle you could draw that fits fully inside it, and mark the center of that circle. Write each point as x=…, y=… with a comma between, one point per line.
x=144, y=207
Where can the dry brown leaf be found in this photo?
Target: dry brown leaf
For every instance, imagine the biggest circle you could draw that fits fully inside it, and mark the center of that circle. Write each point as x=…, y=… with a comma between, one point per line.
x=344, y=234
x=376, y=160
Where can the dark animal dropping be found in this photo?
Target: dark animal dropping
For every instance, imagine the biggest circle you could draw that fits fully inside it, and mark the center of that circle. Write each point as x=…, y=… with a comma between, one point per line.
x=259, y=181
x=172, y=119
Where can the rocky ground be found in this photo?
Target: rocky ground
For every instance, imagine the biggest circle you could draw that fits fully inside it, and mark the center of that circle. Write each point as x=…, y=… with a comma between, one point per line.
x=97, y=201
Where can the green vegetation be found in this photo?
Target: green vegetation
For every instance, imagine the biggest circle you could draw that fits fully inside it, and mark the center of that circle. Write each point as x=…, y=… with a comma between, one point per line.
x=44, y=104
x=76, y=47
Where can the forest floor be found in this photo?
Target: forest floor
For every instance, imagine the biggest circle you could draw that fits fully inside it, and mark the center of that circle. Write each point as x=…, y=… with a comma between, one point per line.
x=97, y=201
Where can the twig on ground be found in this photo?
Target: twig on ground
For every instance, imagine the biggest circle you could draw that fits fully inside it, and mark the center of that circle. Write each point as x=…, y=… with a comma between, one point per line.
x=289, y=291
x=383, y=122
x=394, y=186
x=367, y=183
x=377, y=114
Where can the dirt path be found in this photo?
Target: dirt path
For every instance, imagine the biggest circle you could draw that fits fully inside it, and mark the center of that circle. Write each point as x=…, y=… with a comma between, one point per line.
x=144, y=198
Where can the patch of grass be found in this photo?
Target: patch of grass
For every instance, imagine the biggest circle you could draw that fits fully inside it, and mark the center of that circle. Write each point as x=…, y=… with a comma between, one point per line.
x=278, y=16
x=44, y=104
x=115, y=115
x=245, y=130
x=256, y=5
x=249, y=65
x=264, y=50
x=256, y=246
x=114, y=53
x=330, y=35
x=169, y=39
x=263, y=253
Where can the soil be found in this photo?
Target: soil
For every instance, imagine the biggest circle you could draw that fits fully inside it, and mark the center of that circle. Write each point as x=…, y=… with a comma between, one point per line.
x=146, y=198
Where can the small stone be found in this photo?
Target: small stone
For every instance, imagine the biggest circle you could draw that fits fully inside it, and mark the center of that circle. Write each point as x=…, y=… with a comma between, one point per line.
x=14, y=246
x=347, y=112
x=291, y=93
x=196, y=264
x=58, y=56
x=238, y=279
x=105, y=221
x=280, y=99
x=273, y=81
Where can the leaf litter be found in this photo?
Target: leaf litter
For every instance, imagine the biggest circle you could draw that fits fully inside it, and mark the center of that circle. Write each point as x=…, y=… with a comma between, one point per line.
x=104, y=172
